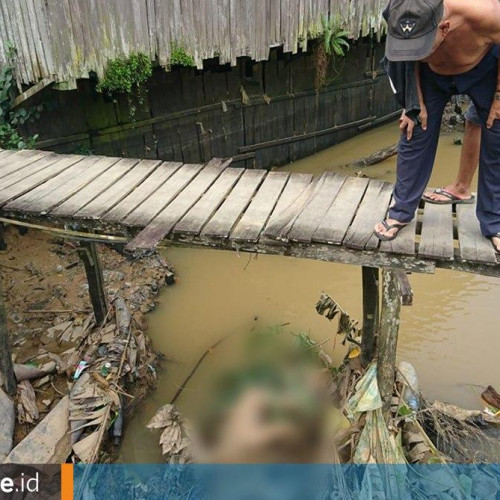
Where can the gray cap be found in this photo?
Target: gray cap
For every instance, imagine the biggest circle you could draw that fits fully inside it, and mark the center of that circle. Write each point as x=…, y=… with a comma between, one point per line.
x=412, y=27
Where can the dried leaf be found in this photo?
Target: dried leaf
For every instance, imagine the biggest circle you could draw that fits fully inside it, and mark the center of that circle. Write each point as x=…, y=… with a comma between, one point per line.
x=27, y=408
x=163, y=417
x=170, y=439
x=84, y=449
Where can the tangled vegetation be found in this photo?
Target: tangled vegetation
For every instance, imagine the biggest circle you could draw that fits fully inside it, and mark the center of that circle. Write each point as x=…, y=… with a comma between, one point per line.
x=124, y=75
x=179, y=57
x=12, y=118
x=333, y=45
x=127, y=75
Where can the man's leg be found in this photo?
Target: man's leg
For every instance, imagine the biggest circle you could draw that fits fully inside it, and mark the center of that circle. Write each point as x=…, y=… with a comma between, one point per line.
x=415, y=161
x=488, y=203
x=469, y=160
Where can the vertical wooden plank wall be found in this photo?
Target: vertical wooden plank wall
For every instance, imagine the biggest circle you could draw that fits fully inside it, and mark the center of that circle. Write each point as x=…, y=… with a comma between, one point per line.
x=69, y=38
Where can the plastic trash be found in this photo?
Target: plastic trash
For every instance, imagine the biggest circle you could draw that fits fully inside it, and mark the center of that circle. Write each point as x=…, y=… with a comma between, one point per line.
x=407, y=376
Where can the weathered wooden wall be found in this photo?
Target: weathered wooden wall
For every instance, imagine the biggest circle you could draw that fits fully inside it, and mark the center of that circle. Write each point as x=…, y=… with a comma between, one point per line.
x=222, y=111
x=66, y=39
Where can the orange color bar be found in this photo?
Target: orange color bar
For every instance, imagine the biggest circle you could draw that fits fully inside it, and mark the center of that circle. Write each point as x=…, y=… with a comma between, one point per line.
x=66, y=481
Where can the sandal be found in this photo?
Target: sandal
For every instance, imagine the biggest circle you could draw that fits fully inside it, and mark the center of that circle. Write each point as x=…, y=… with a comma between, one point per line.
x=388, y=227
x=497, y=249
x=452, y=199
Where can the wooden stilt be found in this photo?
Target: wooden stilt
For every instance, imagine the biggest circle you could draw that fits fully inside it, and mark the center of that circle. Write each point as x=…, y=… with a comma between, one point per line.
x=6, y=366
x=90, y=257
x=370, y=313
x=3, y=245
x=388, y=335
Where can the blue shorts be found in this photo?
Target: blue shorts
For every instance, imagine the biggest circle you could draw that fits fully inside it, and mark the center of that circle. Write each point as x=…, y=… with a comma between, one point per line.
x=472, y=116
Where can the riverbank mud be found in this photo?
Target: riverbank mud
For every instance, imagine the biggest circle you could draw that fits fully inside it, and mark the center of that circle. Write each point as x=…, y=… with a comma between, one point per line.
x=56, y=345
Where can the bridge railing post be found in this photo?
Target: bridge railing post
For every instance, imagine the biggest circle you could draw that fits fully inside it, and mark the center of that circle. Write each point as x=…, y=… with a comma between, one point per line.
x=89, y=255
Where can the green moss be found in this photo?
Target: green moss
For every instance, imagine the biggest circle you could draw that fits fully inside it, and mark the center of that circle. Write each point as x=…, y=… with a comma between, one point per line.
x=124, y=75
x=179, y=57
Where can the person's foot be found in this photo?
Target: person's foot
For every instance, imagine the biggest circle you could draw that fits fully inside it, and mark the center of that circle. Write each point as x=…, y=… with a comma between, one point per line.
x=460, y=192
x=496, y=242
x=388, y=229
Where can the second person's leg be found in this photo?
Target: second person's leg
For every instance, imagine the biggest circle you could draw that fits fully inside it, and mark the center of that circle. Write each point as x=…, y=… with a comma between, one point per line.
x=469, y=160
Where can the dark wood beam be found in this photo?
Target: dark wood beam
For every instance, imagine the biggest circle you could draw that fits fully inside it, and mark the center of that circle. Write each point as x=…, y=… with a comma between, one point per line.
x=370, y=278
x=89, y=255
x=6, y=365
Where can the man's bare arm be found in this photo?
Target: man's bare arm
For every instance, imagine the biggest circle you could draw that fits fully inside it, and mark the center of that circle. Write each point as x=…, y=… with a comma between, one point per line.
x=485, y=21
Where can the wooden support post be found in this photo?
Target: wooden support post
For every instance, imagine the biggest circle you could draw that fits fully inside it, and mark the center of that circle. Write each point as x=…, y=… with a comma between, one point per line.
x=90, y=257
x=3, y=245
x=370, y=313
x=6, y=365
x=405, y=288
x=388, y=335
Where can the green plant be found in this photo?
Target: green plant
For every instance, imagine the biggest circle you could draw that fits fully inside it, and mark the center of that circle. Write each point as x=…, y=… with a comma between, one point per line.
x=179, y=57
x=334, y=37
x=12, y=118
x=127, y=75
x=333, y=45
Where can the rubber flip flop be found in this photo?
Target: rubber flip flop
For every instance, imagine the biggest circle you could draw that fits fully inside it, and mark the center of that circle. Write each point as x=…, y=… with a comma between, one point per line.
x=388, y=227
x=452, y=199
x=497, y=249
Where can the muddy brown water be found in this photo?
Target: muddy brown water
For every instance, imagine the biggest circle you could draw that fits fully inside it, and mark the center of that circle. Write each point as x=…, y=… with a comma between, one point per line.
x=451, y=334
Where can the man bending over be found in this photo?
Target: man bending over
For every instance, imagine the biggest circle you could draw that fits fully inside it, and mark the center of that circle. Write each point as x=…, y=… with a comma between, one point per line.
x=456, y=42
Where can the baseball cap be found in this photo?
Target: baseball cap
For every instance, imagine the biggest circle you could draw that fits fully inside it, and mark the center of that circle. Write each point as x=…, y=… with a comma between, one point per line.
x=411, y=28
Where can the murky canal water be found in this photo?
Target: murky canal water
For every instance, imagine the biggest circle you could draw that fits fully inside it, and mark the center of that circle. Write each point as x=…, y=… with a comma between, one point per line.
x=451, y=334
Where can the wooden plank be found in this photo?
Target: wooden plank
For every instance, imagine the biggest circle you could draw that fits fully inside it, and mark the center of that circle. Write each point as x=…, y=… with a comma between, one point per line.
x=285, y=215
x=405, y=243
x=117, y=191
x=436, y=240
x=228, y=214
x=81, y=204
x=296, y=185
x=201, y=212
x=308, y=221
x=35, y=167
x=44, y=82
x=142, y=192
x=333, y=228
x=92, y=182
x=474, y=247
x=168, y=218
x=253, y=221
x=20, y=160
x=5, y=153
x=152, y=206
x=372, y=209
x=63, y=185
x=26, y=184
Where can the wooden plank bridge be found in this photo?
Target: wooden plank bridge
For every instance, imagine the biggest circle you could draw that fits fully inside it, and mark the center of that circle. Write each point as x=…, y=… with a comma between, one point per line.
x=328, y=217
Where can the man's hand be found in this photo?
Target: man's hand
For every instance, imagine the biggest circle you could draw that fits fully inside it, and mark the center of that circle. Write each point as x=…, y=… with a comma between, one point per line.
x=408, y=124
x=494, y=111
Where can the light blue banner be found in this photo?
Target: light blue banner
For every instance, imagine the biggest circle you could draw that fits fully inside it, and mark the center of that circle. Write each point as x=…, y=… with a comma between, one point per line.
x=286, y=482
